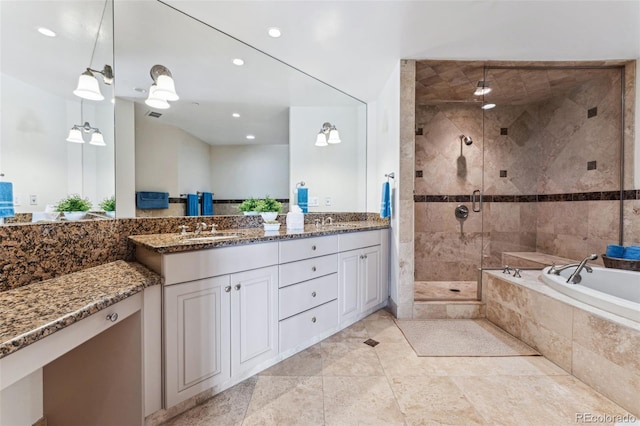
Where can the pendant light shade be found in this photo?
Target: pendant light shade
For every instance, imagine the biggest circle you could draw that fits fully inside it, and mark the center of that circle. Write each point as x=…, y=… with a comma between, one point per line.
x=88, y=87
x=321, y=140
x=334, y=136
x=166, y=88
x=97, y=139
x=154, y=100
x=75, y=135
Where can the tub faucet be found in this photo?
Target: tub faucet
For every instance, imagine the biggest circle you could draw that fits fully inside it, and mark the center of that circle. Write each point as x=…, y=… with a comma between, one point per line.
x=575, y=277
x=555, y=270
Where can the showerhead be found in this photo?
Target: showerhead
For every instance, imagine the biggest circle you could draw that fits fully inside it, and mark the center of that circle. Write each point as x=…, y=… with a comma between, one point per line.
x=466, y=139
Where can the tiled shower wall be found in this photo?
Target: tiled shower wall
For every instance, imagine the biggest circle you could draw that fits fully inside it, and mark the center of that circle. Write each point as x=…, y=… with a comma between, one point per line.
x=543, y=148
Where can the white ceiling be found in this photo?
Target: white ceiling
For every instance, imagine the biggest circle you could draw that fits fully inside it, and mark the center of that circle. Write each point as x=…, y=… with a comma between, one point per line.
x=354, y=45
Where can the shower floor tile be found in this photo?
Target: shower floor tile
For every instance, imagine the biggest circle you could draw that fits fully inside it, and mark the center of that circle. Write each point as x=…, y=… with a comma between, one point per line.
x=445, y=290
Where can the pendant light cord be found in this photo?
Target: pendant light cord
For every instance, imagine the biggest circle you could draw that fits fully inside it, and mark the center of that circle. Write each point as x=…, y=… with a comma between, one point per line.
x=104, y=9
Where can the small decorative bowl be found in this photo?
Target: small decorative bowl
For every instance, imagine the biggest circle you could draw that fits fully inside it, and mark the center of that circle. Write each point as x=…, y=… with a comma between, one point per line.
x=268, y=216
x=616, y=263
x=73, y=216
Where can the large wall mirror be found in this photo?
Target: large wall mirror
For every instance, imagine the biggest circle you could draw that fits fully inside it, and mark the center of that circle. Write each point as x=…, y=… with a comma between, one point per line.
x=196, y=145
x=38, y=75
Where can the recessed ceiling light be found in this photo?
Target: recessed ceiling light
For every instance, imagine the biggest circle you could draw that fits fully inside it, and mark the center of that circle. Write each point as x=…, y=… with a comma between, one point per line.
x=238, y=62
x=251, y=137
x=235, y=115
x=275, y=32
x=47, y=32
x=488, y=106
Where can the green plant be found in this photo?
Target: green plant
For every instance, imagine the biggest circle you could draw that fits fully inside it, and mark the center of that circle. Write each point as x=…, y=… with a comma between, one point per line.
x=248, y=205
x=108, y=204
x=269, y=205
x=74, y=203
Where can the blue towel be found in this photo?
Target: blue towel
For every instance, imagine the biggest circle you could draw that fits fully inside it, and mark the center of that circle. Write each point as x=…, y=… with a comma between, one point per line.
x=303, y=199
x=152, y=200
x=192, y=205
x=6, y=199
x=615, y=251
x=207, y=204
x=385, y=204
x=632, y=253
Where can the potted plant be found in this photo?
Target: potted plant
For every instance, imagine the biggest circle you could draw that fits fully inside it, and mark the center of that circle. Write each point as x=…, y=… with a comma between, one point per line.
x=269, y=208
x=74, y=207
x=248, y=206
x=109, y=206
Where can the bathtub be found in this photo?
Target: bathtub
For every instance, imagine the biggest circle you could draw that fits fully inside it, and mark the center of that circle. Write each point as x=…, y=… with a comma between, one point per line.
x=612, y=290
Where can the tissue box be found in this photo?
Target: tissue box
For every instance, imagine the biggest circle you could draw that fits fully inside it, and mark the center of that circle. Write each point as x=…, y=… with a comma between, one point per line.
x=295, y=221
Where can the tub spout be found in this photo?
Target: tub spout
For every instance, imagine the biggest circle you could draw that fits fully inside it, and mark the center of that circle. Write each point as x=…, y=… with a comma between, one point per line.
x=575, y=277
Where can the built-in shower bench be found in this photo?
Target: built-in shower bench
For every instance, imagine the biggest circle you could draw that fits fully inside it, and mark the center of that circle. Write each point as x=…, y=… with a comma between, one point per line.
x=532, y=259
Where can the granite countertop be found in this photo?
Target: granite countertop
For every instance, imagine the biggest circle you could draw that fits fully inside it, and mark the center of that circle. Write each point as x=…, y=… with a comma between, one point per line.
x=32, y=312
x=172, y=243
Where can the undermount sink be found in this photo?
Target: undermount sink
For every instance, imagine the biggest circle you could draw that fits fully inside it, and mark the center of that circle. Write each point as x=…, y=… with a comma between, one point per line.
x=344, y=225
x=209, y=238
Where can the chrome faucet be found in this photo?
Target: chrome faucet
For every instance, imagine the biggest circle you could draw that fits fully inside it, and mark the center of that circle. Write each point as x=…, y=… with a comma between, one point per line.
x=575, y=277
x=555, y=270
x=328, y=219
x=200, y=227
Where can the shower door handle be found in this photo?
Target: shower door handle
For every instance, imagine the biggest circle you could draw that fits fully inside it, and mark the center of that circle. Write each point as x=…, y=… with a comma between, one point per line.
x=476, y=206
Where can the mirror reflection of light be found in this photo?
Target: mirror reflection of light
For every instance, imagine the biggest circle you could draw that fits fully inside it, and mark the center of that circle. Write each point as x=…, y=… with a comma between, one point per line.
x=235, y=115
x=237, y=61
x=251, y=137
x=488, y=106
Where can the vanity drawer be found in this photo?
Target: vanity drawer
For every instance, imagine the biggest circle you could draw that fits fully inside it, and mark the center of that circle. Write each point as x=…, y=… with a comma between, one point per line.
x=355, y=240
x=304, y=248
x=303, y=270
x=306, y=295
x=303, y=327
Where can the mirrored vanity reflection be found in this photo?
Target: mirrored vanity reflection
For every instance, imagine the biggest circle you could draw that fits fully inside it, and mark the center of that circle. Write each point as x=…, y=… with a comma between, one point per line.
x=46, y=46
x=237, y=131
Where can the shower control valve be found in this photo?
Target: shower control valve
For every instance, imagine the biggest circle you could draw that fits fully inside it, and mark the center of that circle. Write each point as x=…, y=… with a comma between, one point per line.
x=506, y=270
x=516, y=273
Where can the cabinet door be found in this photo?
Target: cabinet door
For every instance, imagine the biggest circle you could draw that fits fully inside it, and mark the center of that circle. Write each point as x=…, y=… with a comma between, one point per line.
x=254, y=318
x=348, y=276
x=370, y=278
x=196, y=323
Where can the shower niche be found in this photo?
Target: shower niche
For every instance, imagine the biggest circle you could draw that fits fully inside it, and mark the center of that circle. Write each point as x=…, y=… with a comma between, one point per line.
x=514, y=145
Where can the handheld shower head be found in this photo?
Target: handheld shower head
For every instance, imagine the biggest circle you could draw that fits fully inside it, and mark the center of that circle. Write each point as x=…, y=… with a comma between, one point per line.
x=466, y=139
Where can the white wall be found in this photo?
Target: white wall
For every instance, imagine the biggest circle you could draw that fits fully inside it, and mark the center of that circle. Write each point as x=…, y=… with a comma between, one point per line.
x=336, y=171
x=125, y=168
x=384, y=157
x=34, y=154
x=168, y=159
x=243, y=171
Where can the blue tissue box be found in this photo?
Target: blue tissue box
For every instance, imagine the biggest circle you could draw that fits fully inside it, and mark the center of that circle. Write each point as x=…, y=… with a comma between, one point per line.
x=152, y=200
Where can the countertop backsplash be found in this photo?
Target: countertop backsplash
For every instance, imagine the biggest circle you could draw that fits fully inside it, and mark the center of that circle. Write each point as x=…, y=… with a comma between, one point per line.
x=40, y=251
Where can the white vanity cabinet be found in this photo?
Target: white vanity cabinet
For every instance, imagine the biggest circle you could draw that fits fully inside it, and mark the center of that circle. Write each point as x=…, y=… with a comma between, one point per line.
x=362, y=275
x=308, y=291
x=219, y=327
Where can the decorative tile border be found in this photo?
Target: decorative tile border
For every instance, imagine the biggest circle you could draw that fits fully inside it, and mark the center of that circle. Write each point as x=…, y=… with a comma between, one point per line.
x=178, y=200
x=579, y=196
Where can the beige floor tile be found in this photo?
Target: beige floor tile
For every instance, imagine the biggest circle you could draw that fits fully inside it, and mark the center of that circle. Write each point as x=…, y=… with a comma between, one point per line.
x=305, y=363
x=286, y=401
x=499, y=366
x=399, y=360
x=226, y=408
x=433, y=400
x=350, y=358
x=379, y=314
x=360, y=401
x=354, y=331
x=384, y=331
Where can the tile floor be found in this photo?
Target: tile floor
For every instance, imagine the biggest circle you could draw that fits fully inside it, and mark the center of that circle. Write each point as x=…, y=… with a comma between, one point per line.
x=342, y=381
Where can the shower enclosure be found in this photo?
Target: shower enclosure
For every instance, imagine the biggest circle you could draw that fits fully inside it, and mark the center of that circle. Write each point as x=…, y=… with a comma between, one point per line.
x=534, y=178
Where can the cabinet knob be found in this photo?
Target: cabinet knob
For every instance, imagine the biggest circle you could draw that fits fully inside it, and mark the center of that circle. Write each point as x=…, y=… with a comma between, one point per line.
x=238, y=286
x=313, y=294
x=313, y=248
x=313, y=319
x=313, y=268
x=113, y=317
x=227, y=289
x=362, y=256
x=365, y=256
